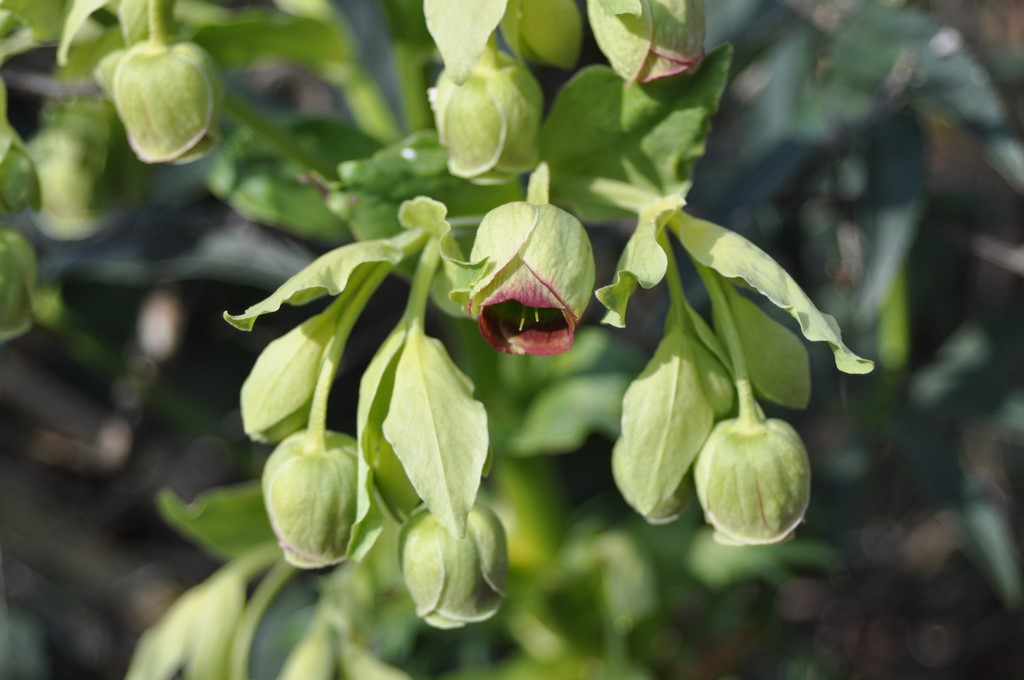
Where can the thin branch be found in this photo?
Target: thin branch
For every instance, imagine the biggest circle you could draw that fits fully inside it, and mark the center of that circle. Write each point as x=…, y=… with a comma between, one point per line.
x=47, y=86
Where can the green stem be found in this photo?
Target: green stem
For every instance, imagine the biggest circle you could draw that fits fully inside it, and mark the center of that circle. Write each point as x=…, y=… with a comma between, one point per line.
x=679, y=305
x=750, y=412
x=531, y=487
x=264, y=594
x=416, y=308
x=160, y=17
x=272, y=132
x=604, y=191
x=410, y=64
x=351, y=305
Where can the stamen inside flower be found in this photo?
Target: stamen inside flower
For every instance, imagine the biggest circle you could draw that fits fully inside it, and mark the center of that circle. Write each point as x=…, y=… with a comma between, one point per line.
x=513, y=327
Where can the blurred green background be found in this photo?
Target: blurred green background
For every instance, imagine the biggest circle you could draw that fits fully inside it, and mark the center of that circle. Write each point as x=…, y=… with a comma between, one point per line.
x=873, y=148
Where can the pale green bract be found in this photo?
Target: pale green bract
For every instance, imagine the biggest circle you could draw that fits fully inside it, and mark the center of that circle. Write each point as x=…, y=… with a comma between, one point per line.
x=643, y=261
x=277, y=394
x=314, y=657
x=329, y=274
x=375, y=390
x=780, y=370
x=461, y=29
x=733, y=256
x=665, y=420
x=437, y=429
x=77, y=14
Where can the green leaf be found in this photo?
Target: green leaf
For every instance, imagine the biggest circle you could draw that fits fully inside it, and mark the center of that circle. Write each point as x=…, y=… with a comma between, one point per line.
x=643, y=261
x=133, y=16
x=78, y=13
x=227, y=521
x=733, y=256
x=777, y=360
x=372, y=189
x=561, y=416
x=665, y=420
x=892, y=205
x=329, y=274
x=277, y=394
x=461, y=29
x=948, y=81
x=44, y=17
x=261, y=184
x=602, y=131
x=438, y=430
x=255, y=36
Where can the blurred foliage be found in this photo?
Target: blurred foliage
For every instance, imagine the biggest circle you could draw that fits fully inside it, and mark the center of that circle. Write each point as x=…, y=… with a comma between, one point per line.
x=873, y=147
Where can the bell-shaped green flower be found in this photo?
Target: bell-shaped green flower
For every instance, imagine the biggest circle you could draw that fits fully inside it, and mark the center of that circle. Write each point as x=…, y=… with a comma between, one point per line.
x=17, y=281
x=170, y=99
x=544, y=31
x=649, y=39
x=454, y=581
x=310, y=494
x=753, y=481
x=491, y=122
x=535, y=278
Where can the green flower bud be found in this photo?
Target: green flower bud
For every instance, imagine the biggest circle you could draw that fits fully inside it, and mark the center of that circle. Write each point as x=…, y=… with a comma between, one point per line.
x=170, y=99
x=657, y=39
x=544, y=31
x=491, y=122
x=535, y=279
x=753, y=481
x=19, y=185
x=85, y=167
x=310, y=494
x=454, y=581
x=17, y=280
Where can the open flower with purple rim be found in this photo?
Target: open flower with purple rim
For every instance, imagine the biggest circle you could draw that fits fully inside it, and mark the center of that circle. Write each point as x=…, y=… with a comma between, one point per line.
x=535, y=276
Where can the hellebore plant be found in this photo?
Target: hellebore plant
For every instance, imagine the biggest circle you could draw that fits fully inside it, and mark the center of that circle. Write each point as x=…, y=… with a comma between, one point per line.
x=618, y=144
